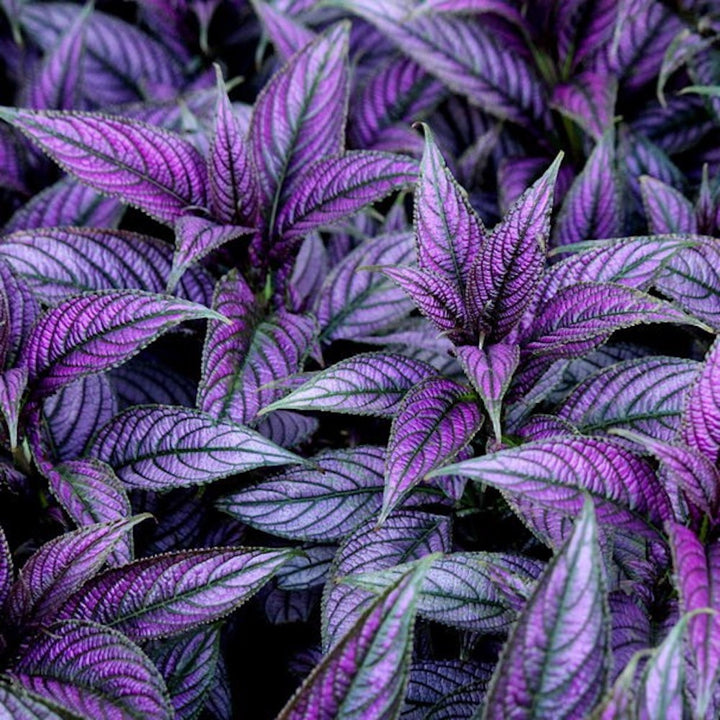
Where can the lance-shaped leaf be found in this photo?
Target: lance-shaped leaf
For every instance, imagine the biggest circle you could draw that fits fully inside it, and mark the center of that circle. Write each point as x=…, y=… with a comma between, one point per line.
x=286, y=428
x=436, y=298
x=698, y=585
x=646, y=395
x=67, y=202
x=508, y=267
x=18, y=703
x=151, y=382
x=233, y=185
x=399, y=91
x=581, y=317
x=60, y=567
x=592, y=207
x=176, y=592
x=667, y=209
x=93, y=671
x=449, y=232
x=163, y=447
x=155, y=170
x=307, y=570
x=367, y=384
x=300, y=115
x=90, y=333
x=471, y=591
x=691, y=278
x=366, y=672
x=701, y=416
x=287, y=35
x=60, y=262
x=90, y=493
x=464, y=54
x=588, y=100
x=490, y=371
x=555, y=662
x=334, y=188
x=321, y=502
x=188, y=665
x=405, y=536
x=12, y=387
x=557, y=473
x=58, y=82
x=435, y=421
x=195, y=238
x=353, y=302
x=18, y=311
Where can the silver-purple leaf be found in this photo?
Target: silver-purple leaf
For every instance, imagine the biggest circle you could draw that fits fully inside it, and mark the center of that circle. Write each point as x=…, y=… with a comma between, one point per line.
x=334, y=188
x=60, y=262
x=19, y=704
x=12, y=386
x=353, y=302
x=366, y=384
x=18, y=312
x=667, y=209
x=435, y=421
x=646, y=395
x=60, y=567
x=589, y=100
x=593, y=206
x=556, y=661
x=149, y=381
x=508, y=267
x=94, y=671
x=287, y=429
x=176, y=592
x=405, y=536
x=300, y=114
x=366, y=672
x=285, y=32
x=449, y=232
x=324, y=501
x=90, y=492
x=162, y=447
x=307, y=570
x=93, y=332
x=490, y=371
x=155, y=170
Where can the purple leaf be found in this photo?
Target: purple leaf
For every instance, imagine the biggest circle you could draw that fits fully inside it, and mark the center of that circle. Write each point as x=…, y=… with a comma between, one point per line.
x=631, y=631
x=555, y=662
x=155, y=170
x=699, y=587
x=173, y=593
x=354, y=302
x=296, y=606
x=58, y=82
x=556, y=474
x=366, y=672
x=449, y=232
x=667, y=209
x=405, y=536
x=300, y=115
x=700, y=427
x=322, y=502
x=593, y=206
x=6, y=568
x=467, y=57
x=581, y=317
x=195, y=238
x=588, y=100
x=287, y=429
x=436, y=298
x=188, y=665
x=60, y=567
x=93, y=671
x=490, y=371
x=90, y=493
x=90, y=333
x=435, y=421
x=397, y=93
x=57, y=263
x=307, y=570
x=645, y=395
x=163, y=447
x=286, y=34
x=18, y=311
x=508, y=267
x=366, y=384
x=243, y=362
x=19, y=704
x=233, y=185
x=74, y=413
x=333, y=188
x=12, y=386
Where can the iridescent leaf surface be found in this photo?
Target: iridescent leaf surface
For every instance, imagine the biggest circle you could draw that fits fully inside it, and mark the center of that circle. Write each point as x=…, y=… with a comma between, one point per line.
x=667, y=209
x=12, y=386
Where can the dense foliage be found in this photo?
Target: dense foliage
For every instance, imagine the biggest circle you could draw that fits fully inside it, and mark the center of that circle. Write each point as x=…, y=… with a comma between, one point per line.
x=392, y=322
